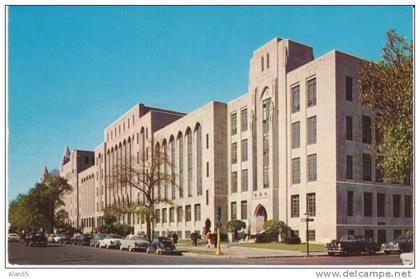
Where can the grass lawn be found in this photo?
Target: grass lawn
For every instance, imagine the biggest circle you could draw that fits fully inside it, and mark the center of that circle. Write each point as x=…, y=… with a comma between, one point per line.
x=283, y=246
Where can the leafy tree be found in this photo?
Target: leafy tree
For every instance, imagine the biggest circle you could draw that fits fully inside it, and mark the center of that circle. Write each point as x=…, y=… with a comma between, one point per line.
x=387, y=88
x=234, y=226
x=148, y=177
x=38, y=209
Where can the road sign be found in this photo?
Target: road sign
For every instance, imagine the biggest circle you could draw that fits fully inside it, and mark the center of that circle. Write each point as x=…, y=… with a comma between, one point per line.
x=307, y=219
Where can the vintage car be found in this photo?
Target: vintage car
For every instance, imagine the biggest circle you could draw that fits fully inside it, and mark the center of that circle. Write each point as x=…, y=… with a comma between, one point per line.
x=110, y=241
x=35, y=239
x=84, y=239
x=407, y=258
x=401, y=244
x=50, y=237
x=352, y=244
x=134, y=243
x=13, y=237
x=94, y=242
x=75, y=238
x=161, y=245
x=62, y=238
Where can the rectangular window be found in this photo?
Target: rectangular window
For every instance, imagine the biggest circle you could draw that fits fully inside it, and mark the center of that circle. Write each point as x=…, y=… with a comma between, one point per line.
x=157, y=216
x=382, y=236
x=350, y=232
x=244, y=180
x=233, y=211
x=188, y=213
x=312, y=130
x=207, y=141
x=234, y=153
x=207, y=197
x=369, y=234
x=171, y=214
x=311, y=204
x=396, y=205
x=349, y=89
x=366, y=129
x=164, y=215
x=234, y=182
x=380, y=204
x=244, y=120
x=295, y=98
x=244, y=210
x=350, y=202
x=408, y=200
x=294, y=203
x=233, y=124
x=311, y=235
x=296, y=171
x=312, y=173
x=197, y=212
x=349, y=167
x=296, y=135
x=349, y=128
x=367, y=167
x=207, y=169
x=179, y=213
x=311, y=87
x=244, y=150
x=396, y=234
x=367, y=204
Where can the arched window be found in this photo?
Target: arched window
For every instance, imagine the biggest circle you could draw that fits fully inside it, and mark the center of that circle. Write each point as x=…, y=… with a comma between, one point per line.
x=189, y=161
x=181, y=165
x=172, y=150
x=199, y=151
x=157, y=161
x=165, y=168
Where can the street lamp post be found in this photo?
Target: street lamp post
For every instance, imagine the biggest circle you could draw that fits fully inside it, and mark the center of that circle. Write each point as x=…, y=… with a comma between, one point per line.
x=307, y=220
x=218, y=225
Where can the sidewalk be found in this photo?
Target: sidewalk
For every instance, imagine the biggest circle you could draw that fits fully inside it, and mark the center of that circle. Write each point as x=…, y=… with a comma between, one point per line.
x=231, y=251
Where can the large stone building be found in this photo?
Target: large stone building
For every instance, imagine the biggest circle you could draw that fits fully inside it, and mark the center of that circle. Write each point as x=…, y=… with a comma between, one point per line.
x=298, y=142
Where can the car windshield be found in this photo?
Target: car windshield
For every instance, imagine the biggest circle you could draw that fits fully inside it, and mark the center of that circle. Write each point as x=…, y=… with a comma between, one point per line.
x=136, y=237
x=112, y=236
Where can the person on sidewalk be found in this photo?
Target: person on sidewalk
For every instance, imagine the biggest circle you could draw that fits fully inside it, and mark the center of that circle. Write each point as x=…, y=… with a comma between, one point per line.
x=194, y=238
x=208, y=237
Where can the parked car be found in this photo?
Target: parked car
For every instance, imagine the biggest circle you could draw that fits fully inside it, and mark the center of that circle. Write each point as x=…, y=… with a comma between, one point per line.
x=161, y=245
x=13, y=237
x=94, y=242
x=407, y=258
x=110, y=241
x=61, y=238
x=35, y=239
x=134, y=243
x=50, y=237
x=84, y=239
x=352, y=244
x=75, y=238
x=401, y=244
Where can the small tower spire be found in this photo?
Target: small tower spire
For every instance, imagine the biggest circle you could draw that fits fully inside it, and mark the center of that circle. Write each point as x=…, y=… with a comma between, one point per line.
x=44, y=173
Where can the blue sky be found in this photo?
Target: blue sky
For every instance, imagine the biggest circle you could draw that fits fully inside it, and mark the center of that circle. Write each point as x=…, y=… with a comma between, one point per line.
x=74, y=70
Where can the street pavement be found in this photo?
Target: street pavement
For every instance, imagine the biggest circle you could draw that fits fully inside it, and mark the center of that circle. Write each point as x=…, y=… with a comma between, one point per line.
x=63, y=255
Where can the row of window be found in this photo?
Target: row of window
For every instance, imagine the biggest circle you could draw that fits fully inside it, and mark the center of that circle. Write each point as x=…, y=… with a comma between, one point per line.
x=366, y=129
x=311, y=132
x=311, y=169
x=244, y=181
x=161, y=216
x=366, y=168
x=114, y=131
x=310, y=205
x=310, y=93
x=267, y=61
x=234, y=121
x=234, y=210
x=381, y=205
x=244, y=151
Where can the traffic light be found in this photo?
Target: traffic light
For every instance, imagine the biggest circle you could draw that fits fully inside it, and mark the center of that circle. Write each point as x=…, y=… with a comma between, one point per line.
x=219, y=213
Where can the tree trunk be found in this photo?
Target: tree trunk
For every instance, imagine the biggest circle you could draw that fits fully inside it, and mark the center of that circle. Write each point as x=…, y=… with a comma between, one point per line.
x=148, y=228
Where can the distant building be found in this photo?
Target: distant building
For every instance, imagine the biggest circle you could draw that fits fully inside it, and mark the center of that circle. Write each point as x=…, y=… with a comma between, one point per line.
x=296, y=143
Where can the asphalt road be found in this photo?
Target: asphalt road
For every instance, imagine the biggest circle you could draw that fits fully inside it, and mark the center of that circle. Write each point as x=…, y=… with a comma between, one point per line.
x=60, y=254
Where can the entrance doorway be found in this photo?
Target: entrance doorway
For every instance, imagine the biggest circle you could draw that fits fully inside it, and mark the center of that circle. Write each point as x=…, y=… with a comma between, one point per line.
x=260, y=218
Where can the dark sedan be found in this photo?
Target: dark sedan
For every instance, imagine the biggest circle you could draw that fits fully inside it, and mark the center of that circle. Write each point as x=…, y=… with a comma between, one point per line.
x=401, y=244
x=35, y=239
x=161, y=245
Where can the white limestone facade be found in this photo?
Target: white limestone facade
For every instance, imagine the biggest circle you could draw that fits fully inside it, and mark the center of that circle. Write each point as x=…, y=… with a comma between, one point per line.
x=297, y=142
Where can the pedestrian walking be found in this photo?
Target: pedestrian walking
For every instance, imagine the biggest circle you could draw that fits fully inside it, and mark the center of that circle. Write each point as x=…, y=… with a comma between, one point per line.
x=175, y=238
x=194, y=238
x=208, y=238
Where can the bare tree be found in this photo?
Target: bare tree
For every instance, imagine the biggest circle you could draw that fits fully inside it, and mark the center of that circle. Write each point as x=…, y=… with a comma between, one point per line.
x=147, y=176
